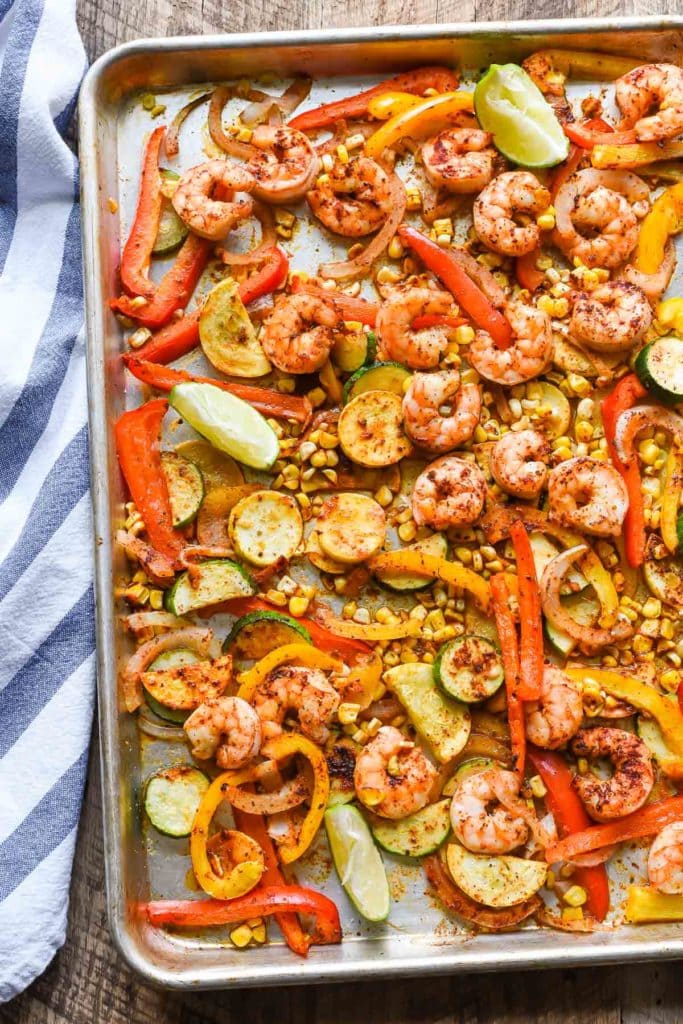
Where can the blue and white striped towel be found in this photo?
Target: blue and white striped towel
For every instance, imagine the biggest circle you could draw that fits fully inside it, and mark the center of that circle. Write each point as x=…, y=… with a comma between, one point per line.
x=46, y=603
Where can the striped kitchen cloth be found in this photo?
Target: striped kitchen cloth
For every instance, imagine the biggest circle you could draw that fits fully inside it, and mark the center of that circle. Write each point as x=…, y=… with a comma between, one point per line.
x=47, y=665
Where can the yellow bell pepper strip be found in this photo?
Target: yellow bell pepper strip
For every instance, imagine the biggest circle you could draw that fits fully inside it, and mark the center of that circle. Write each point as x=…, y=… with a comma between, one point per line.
x=671, y=498
x=420, y=564
x=644, y=904
x=359, y=686
x=670, y=312
x=586, y=64
x=250, y=862
x=642, y=696
x=664, y=219
x=427, y=118
x=373, y=632
x=304, y=654
x=330, y=382
x=287, y=745
x=389, y=104
x=638, y=154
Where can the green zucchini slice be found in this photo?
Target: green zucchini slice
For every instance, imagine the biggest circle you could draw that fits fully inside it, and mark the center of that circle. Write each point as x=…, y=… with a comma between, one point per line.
x=418, y=834
x=185, y=487
x=172, y=797
x=168, y=660
x=377, y=377
x=258, y=633
x=171, y=230
x=660, y=368
x=217, y=580
x=469, y=669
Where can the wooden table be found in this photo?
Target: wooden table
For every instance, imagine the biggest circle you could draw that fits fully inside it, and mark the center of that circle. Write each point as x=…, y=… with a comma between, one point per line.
x=87, y=983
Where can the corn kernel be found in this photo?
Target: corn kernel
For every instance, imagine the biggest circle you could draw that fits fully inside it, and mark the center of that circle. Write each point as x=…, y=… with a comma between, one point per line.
x=371, y=797
x=576, y=896
x=652, y=608
x=649, y=451
x=259, y=934
x=241, y=937
x=572, y=914
x=666, y=629
x=385, y=275
x=244, y=134
x=348, y=713
x=642, y=644
x=413, y=199
x=580, y=386
x=383, y=496
x=583, y=430
x=149, y=101
x=328, y=440
x=316, y=397
x=158, y=110
x=563, y=454
x=355, y=141
x=327, y=162
x=670, y=680
x=407, y=532
x=537, y=787
x=395, y=250
x=156, y=599
x=342, y=154
x=113, y=205
x=546, y=221
x=137, y=594
x=138, y=302
x=546, y=304
x=275, y=597
x=582, y=765
x=322, y=179
x=362, y=616
x=443, y=225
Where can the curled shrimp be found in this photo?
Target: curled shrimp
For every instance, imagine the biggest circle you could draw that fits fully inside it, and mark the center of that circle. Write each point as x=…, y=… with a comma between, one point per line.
x=418, y=349
x=213, y=218
x=511, y=195
x=529, y=354
x=665, y=860
x=226, y=727
x=480, y=812
x=354, y=199
x=392, y=776
x=294, y=688
x=299, y=332
x=607, y=204
x=518, y=462
x=641, y=90
x=459, y=159
x=612, y=318
x=588, y=495
x=556, y=716
x=285, y=166
x=449, y=492
x=633, y=777
x=439, y=411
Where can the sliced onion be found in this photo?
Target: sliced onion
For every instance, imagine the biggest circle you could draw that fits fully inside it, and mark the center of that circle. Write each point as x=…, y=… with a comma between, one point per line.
x=590, y=638
x=138, y=622
x=158, y=567
x=146, y=724
x=263, y=214
x=384, y=710
x=171, y=139
x=227, y=143
x=632, y=421
x=653, y=285
x=286, y=104
x=201, y=641
x=481, y=276
x=595, y=857
x=362, y=263
x=341, y=133
x=192, y=552
x=291, y=794
x=584, y=924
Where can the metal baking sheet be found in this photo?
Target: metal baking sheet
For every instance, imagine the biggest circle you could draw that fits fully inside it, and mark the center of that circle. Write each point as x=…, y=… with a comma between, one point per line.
x=418, y=939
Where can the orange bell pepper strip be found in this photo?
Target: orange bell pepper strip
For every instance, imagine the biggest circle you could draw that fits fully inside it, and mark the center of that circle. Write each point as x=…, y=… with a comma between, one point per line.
x=530, y=619
x=267, y=401
x=425, y=119
x=626, y=394
x=527, y=273
x=175, y=288
x=507, y=634
x=664, y=219
x=570, y=816
x=137, y=252
x=137, y=447
x=586, y=137
x=284, y=746
x=432, y=77
x=645, y=822
x=462, y=288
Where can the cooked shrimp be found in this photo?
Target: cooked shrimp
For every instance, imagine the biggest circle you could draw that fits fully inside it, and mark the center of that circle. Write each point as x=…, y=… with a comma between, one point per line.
x=449, y=492
x=213, y=218
x=556, y=716
x=607, y=204
x=612, y=318
x=587, y=495
x=294, y=688
x=421, y=349
x=287, y=165
x=226, y=727
x=354, y=199
x=633, y=777
x=299, y=332
x=439, y=411
x=529, y=354
x=509, y=196
x=459, y=159
x=480, y=816
x=518, y=462
x=642, y=90
x=665, y=860
x=392, y=776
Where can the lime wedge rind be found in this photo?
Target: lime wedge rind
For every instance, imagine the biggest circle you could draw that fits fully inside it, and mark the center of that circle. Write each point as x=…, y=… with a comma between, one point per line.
x=358, y=862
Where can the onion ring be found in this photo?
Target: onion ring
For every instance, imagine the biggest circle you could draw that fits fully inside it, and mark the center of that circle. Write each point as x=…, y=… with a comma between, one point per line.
x=584, y=924
x=265, y=216
x=227, y=143
x=201, y=641
x=632, y=421
x=291, y=794
x=171, y=733
x=171, y=140
x=653, y=285
x=295, y=93
x=138, y=622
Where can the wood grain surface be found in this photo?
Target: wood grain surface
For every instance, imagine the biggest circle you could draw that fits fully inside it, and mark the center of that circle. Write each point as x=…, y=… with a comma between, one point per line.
x=87, y=983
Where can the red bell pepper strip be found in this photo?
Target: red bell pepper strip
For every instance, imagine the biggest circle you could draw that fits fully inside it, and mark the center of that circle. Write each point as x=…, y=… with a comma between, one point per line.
x=507, y=634
x=626, y=394
x=570, y=816
x=530, y=620
x=439, y=78
x=528, y=274
x=267, y=401
x=351, y=307
x=586, y=136
x=345, y=647
x=436, y=320
x=463, y=289
x=260, y=902
x=137, y=446
x=175, y=288
x=576, y=154
x=645, y=822
x=137, y=251
x=272, y=273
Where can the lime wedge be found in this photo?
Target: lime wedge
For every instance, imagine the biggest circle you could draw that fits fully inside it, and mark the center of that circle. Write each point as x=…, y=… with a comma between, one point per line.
x=358, y=861
x=524, y=126
x=230, y=424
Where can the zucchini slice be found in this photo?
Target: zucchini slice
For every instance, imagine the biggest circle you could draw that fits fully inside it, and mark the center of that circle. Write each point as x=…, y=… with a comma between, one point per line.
x=571, y=359
x=585, y=609
x=663, y=576
x=555, y=412
x=495, y=881
x=651, y=735
x=217, y=468
x=435, y=545
x=377, y=377
x=350, y=351
x=217, y=580
x=371, y=429
x=418, y=834
x=185, y=487
x=172, y=797
x=184, y=687
x=544, y=551
x=319, y=559
x=258, y=633
x=660, y=368
x=351, y=528
x=469, y=669
x=265, y=527
x=227, y=335
x=442, y=723
x=171, y=230
x=170, y=659
x=358, y=862
x=464, y=770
